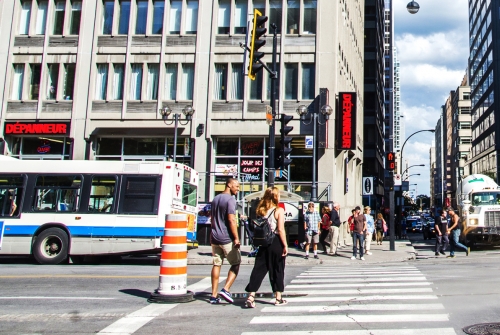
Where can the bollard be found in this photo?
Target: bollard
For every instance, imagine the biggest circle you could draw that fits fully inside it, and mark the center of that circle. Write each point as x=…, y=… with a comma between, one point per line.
x=173, y=263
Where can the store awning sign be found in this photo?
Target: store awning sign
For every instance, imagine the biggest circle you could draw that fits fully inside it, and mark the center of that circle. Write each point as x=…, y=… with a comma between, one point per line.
x=346, y=121
x=36, y=128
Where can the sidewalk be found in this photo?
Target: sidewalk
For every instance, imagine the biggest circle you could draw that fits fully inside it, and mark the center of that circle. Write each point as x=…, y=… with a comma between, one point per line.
x=381, y=254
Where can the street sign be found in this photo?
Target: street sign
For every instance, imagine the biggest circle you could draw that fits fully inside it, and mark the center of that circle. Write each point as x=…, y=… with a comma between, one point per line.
x=367, y=185
x=397, y=180
x=309, y=142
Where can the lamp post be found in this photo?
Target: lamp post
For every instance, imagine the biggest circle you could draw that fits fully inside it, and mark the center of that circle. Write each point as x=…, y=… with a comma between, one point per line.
x=326, y=110
x=410, y=168
x=165, y=112
x=413, y=174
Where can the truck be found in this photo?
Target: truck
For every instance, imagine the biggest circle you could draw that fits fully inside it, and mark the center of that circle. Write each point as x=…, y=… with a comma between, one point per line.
x=478, y=197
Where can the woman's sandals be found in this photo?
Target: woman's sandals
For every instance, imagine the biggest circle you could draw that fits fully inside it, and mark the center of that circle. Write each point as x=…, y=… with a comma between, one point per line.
x=250, y=303
x=280, y=302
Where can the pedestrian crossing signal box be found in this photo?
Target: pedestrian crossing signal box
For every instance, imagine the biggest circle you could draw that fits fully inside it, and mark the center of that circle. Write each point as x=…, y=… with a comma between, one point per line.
x=390, y=161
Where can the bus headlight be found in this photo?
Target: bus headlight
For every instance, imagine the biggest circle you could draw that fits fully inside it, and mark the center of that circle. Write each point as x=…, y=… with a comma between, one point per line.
x=473, y=222
x=471, y=209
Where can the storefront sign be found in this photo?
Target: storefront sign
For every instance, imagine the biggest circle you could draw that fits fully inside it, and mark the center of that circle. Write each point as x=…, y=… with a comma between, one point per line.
x=226, y=169
x=204, y=213
x=36, y=128
x=346, y=121
x=252, y=169
x=251, y=148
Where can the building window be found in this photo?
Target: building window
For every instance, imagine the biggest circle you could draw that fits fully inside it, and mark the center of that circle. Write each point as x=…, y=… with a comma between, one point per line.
x=136, y=82
x=107, y=18
x=24, y=22
x=224, y=16
x=158, y=11
x=124, y=17
x=187, y=81
x=192, y=17
x=269, y=81
x=101, y=86
x=256, y=87
x=29, y=147
x=69, y=81
x=118, y=80
x=291, y=81
x=275, y=14
x=59, y=18
x=52, y=80
x=175, y=16
x=237, y=82
x=41, y=18
x=17, y=82
x=240, y=16
x=171, y=82
x=142, y=16
x=76, y=13
x=308, y=81
x=220, y=81
x=293, y=16
x=34, y=91
x=153, y=77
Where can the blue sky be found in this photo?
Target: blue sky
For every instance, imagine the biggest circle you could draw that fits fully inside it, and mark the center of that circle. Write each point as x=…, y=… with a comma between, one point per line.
x=433, y=51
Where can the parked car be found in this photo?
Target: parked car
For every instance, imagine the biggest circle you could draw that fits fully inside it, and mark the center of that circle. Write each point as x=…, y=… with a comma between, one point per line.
x=428, y=229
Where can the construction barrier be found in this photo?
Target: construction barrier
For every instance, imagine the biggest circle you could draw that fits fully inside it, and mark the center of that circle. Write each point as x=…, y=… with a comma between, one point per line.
x=173, y=263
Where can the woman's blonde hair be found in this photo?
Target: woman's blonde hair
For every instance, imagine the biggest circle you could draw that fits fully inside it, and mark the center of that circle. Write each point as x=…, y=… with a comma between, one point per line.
x=269, y=200
x=326, y=210
x=379, y=216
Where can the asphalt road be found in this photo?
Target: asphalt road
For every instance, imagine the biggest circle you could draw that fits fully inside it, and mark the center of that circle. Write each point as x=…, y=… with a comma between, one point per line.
x=93, y=299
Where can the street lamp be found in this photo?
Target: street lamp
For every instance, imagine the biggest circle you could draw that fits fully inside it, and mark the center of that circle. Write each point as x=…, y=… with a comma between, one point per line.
x=412, y=7
x=165, y=112
x=410, y=168
x=302, y=110
x=402, y=148
x=415, y=174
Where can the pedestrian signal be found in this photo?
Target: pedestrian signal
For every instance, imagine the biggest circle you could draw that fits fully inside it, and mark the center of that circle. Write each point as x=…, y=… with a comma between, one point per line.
x=390, y=161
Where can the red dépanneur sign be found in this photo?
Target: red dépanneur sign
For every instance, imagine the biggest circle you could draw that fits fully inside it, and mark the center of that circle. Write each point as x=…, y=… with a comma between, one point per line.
x=36, y=128
x=346, y=121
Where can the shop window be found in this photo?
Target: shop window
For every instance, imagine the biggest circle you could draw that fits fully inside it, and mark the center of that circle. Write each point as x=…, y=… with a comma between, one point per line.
x=102, y=194
x=227, y=146
x=41, y=148
x=144, y=146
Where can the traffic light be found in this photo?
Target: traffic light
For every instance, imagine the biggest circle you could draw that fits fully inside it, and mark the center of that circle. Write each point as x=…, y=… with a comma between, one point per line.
x=285, y=141
x=256, y=43
x=390, y=161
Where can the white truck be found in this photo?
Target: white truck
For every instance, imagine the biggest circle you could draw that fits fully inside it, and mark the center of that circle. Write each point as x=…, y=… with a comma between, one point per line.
x=478, y=197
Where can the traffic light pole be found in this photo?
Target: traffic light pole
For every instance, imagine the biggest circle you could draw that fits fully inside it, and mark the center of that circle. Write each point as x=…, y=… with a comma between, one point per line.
x=271, y=169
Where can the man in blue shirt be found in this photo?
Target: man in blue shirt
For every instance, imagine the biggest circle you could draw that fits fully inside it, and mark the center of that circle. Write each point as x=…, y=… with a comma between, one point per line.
x=312, y=221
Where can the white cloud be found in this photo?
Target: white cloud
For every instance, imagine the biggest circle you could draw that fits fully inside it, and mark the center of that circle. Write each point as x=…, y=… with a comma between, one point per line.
x=430, y=75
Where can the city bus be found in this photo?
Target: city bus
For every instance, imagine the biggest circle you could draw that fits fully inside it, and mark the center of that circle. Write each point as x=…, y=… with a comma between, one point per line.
x=55, y=210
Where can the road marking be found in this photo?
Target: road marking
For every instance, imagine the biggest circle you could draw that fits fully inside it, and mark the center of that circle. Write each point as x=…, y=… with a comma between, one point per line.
x=351, y=318
x=369, y=284
x=57, y=298
x=360, y=291
x=350, y=280
x=132, y=322
x=335, y=275
x=361, y=298
x=421, y=331
x=86, y=276
x=355, y=307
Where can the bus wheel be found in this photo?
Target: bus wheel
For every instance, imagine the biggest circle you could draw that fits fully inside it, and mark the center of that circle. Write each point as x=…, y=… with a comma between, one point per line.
x=51, y=246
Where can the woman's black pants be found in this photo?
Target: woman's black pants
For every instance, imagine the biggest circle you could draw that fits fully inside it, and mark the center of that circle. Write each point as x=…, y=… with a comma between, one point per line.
x=269, y=260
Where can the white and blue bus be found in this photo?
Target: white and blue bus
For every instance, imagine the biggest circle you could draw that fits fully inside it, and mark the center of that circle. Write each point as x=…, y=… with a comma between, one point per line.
x=56, y=209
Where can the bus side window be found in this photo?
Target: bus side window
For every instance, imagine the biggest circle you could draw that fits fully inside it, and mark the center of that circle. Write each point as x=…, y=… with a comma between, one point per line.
x=140, y=195
x=102, y=194
x=11, y=194
x=57, y=193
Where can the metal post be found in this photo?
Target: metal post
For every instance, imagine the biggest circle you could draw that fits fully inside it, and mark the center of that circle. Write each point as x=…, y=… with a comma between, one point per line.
x=176, y=118
x=272, y=140
x=314, y=186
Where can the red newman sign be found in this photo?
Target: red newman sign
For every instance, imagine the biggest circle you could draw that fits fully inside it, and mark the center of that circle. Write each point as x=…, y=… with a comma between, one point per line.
x=346, y=121
x=36, y=128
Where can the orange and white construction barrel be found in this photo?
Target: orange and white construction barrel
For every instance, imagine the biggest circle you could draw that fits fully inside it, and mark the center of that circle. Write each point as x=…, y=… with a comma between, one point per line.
x=173, y=263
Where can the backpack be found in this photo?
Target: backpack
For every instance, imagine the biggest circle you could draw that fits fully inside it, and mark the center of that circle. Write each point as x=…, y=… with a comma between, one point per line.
x=263, y=235
x=379, y=225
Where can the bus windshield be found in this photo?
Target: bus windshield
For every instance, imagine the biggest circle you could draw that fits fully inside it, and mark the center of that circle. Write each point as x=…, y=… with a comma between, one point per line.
x=485, y=198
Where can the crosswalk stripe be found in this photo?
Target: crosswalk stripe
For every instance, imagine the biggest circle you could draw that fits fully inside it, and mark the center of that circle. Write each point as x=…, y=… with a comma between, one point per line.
x=340, y=280
x=351, y=318
x=421, y=331
x=353, y=307
x=361, y=291
x=335, y=275
x=362, y=298
x=369, y=284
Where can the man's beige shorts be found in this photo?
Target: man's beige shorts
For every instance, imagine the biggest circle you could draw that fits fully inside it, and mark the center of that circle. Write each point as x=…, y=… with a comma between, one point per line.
x=312, y=238
x=219, y=252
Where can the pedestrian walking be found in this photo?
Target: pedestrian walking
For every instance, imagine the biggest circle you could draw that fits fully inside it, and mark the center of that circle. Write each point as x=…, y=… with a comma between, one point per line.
x=325, y=228
x=454, y=230
x=358, y=233
x=441, y=228
x=312, y=222
x=380, y=228
x=224, y=240
x=370, y=229
x=270, y=259
x=334, y=228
